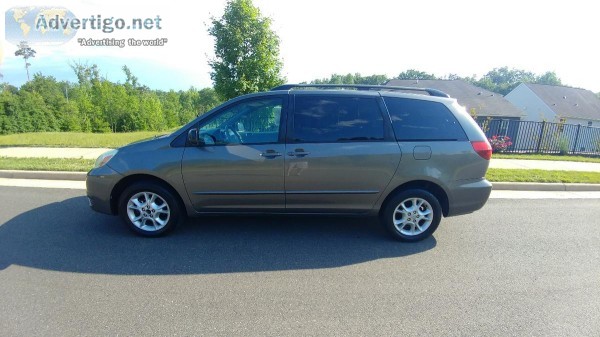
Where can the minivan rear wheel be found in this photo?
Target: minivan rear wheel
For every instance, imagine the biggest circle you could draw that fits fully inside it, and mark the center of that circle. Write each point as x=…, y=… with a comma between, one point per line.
x=412, y=215
x=149, y=209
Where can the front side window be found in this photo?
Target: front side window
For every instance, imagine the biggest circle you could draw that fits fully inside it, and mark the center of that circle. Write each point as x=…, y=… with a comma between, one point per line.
x=249, y=122
x=420, y=120
x=324, y=119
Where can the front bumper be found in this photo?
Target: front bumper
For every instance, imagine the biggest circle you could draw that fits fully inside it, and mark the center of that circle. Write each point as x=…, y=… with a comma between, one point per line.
x=467, y=196
x=99, y=186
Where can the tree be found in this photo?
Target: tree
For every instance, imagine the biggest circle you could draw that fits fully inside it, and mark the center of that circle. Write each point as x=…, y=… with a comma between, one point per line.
x=356, y=78
x=54, y=95
x=373, y=80
x=8, y=111
x=26, y=52
x=246, y=51
x=548, y=78
x=34, y=115
x=85, y=74
x=171, y=107
x=412, y=74
x=188, y=100
x=70, y=119
x=131, y=81
x=111, y=98
x=452, y=77
x=151, y=113
x=503, y=80
x=49, y=89
x=207, y=99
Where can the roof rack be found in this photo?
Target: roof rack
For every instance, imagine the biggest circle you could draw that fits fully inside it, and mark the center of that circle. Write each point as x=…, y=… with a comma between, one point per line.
x=431, y=92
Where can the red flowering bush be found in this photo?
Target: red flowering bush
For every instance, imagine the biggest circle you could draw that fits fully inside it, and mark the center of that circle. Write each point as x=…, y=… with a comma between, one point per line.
x=500, y=143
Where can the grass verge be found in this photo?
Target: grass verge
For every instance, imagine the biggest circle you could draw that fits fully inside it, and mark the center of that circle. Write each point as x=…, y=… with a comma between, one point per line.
x=46, y=164
x=542, y=176
x=498, y=175
x=76, y=139
x=581, y=159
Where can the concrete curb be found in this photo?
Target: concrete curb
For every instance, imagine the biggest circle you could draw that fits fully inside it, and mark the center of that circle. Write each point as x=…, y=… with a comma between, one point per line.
x=44, y=175
x=545, y=187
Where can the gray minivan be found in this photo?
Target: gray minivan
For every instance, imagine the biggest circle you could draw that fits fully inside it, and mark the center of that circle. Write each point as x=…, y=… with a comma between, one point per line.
x=407, y=155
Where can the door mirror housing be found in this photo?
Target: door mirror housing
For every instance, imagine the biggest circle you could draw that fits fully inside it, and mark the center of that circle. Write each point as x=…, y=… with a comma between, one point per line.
x=193, y=137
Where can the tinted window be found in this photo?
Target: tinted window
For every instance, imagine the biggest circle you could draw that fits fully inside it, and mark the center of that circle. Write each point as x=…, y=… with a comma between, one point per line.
x=250, y=122
x=325, y=119
x=418, y=120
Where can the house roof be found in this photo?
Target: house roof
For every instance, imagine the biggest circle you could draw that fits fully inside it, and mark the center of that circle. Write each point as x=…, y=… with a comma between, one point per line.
x=484, y=102
x=568, y=102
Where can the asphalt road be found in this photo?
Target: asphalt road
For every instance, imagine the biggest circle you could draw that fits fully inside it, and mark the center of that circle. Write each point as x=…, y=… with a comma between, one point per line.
x=517, y=267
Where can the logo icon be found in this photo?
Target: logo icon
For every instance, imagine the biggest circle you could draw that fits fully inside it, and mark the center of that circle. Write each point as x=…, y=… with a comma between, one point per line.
x=39, y=25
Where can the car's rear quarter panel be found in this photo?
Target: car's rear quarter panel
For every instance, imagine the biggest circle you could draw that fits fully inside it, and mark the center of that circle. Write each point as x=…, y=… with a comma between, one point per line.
x=451, y=166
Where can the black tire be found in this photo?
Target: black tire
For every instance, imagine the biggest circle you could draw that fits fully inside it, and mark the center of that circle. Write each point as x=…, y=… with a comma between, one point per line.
x=164, y=201
x=413, y=221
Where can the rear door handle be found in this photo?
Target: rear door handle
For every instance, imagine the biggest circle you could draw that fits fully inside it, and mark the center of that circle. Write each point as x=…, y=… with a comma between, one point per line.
x=270, y=154
x=298, y=153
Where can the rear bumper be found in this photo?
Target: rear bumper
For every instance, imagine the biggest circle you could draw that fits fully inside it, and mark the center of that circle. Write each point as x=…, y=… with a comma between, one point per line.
x=467, y=196
x=99, y=185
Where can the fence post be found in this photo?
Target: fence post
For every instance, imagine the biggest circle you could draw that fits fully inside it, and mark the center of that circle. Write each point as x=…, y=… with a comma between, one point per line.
x=576, y=139
x=539, y=143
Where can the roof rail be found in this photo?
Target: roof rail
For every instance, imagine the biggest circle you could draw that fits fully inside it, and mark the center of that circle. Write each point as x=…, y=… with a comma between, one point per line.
x=431, y=92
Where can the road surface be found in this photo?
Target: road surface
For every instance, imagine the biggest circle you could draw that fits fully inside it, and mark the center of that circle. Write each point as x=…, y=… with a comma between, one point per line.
x=517, y=267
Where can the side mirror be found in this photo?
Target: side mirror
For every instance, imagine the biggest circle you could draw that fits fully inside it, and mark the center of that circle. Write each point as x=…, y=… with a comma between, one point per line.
x=193, y=138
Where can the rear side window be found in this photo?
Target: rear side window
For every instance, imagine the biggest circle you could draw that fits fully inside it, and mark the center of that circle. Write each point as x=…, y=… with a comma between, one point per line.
x=324, y=119
x=418, y=120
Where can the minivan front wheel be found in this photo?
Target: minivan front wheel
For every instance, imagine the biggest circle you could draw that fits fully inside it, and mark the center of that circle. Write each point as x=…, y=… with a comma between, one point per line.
x=412, y=215
x=149, y=209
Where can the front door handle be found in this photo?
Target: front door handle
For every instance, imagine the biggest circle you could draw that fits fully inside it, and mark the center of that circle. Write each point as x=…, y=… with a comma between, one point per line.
x=270, y=154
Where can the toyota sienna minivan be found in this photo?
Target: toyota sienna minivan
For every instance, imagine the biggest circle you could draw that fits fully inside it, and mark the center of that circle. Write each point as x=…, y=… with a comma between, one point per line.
x=406, y=155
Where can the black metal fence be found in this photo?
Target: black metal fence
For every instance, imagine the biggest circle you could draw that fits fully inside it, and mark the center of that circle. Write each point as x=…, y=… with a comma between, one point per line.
x=544, y=137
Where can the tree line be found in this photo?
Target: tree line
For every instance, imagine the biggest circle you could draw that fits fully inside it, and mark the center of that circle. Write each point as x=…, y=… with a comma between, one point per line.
x=95, y=104
x=500, y=80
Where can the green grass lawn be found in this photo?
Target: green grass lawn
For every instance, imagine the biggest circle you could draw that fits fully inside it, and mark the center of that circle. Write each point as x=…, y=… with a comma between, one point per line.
x=542, y=176
x=546, y=157
x=504, y=175
x=46, y=164
x=76, y=139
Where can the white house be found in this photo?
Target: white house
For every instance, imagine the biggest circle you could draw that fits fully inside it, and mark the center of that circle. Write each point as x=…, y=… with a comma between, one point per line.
x=480, y=103
x=556, y=104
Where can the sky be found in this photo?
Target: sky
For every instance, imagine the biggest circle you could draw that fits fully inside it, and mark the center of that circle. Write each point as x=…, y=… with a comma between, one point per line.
x=322, y=37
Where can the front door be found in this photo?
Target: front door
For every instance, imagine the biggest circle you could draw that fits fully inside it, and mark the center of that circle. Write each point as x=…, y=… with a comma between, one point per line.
x=240, y=165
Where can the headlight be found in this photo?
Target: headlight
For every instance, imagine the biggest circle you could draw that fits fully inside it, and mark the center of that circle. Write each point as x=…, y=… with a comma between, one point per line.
x=105, y=157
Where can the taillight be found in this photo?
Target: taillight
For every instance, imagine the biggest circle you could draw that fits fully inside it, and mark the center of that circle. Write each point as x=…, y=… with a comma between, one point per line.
x=483, y=149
